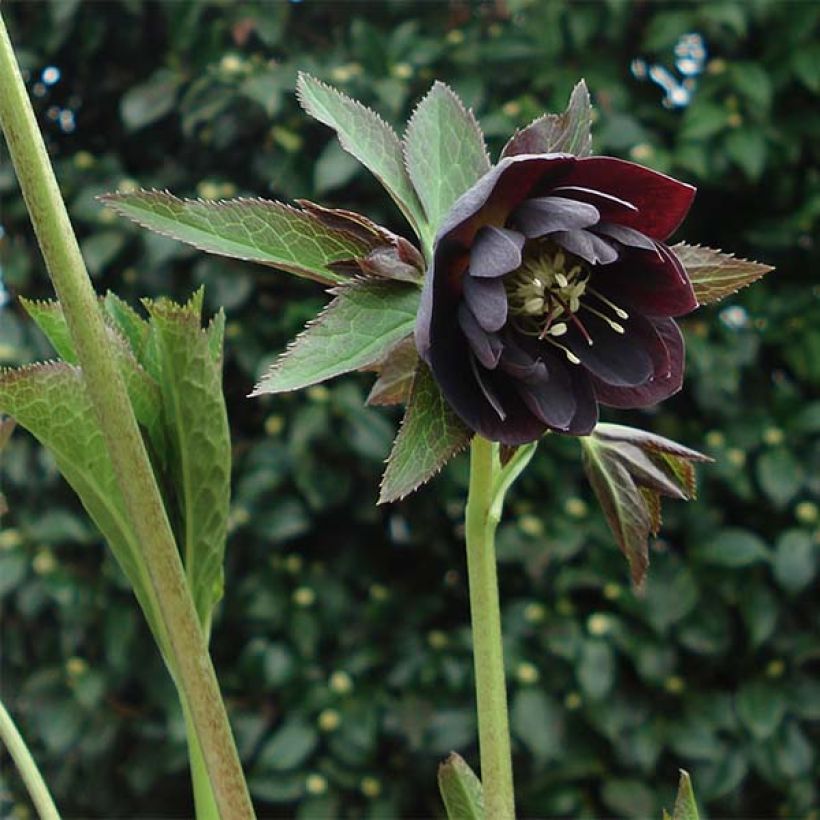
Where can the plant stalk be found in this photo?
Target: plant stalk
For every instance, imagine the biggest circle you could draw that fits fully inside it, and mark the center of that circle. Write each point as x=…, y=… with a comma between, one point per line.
x=190, y=661
x=482, y=518
x=36, y=786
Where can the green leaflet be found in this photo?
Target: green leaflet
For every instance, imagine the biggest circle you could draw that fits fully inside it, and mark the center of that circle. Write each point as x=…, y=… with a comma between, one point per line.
x=256, y=230
x=686, y=808
x=430, y=435
x=142, y=389
x=444, y=150
x=50, y=401
x=366, y=136
x=196, y=422
x=567, y=133
x=460, y=790
x=358, y=327
x=716, y=275
x=396, y=371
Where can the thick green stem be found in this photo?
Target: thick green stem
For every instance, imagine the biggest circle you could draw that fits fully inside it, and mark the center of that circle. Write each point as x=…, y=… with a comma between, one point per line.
x=37, y=789
x=491, y=692
x=189, y=659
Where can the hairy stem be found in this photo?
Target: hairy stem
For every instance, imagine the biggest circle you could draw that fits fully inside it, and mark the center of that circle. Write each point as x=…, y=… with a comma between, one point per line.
x=491, y=692
x=189, y=659
x=37, y=789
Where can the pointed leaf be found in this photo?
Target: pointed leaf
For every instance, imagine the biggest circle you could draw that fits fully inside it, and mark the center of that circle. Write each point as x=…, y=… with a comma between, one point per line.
x=430, y=435
x=686, y=808
x=358, y=327
x=256, y=230
x=365, y=135
x=444, y=150
x=567, y=133
x=460, y=789
x=48, y=316
x=622, y=503
x=142, y=389
x=50, y=401
x=130, y=324
x=396, y=374
x=716, y=275
x=200, y=446
x=6, y=429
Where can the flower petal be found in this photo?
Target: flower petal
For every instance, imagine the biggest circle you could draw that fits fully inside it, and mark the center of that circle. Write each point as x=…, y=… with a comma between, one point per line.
x=626, y=236
x=543, y=215
x=655, y=285
x=497, y=193
x=487, y=299
x=486, y=346
x=667, y=377
x=491, y=397
x=495, y=251
x=598, y=198
x=589, y=247
x=619, y=359
x=662, y=202
x=521, y=365
x=551, y=400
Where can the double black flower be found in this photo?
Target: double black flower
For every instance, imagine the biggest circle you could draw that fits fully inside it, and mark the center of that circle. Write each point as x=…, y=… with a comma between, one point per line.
x=551, y=290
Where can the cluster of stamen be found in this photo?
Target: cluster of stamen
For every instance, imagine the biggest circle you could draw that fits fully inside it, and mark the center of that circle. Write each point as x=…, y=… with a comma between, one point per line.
x=547, y=292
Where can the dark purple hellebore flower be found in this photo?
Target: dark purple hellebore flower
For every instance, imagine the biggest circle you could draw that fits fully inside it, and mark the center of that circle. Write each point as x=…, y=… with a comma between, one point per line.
x=551, y=290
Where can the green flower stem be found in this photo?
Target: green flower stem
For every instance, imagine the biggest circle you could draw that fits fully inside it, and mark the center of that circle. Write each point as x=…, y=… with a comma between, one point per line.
x=37, y=789
x=482, y=516
x=190, y=662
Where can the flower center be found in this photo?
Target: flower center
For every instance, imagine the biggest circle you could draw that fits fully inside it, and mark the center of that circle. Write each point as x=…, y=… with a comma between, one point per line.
x=547, y=292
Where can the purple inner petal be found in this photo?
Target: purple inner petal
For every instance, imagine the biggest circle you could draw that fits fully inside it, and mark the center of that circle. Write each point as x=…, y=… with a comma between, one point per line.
x=495, y=251
x=543, y=215
x=619, y=359
x=486, y=346
x=520, y=365
x=626, y=236
x=552, y=401
x=589, y=247
x=494, y=401
x=487, y=299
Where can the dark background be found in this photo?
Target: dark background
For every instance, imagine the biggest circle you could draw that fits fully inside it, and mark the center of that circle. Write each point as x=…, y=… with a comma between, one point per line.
x=342, y=643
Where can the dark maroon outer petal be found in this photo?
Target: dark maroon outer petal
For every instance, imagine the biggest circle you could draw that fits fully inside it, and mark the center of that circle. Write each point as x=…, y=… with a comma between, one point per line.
x=667, y=378
x=662, y=202
x=655, y=284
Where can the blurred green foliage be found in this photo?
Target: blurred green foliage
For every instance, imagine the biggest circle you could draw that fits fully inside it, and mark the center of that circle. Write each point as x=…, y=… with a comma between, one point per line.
x=343, y=642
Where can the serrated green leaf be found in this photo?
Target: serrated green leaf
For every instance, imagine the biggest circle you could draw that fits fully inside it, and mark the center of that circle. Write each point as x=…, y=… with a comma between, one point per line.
x=358, y=327
x=444, y=151
x=130, y=324
x=48, y=316
x=365, y=135
x=460, y=790
x=396, y=373
x=714, y=274
x=430, y=435
x=256, y=230
x=50, y=401
x=196, y=422
x=567, y=133
x=143, y=391
x=686, y=808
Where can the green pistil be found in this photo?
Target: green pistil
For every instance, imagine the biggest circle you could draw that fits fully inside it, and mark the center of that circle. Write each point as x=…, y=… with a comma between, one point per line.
x=546, y=292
